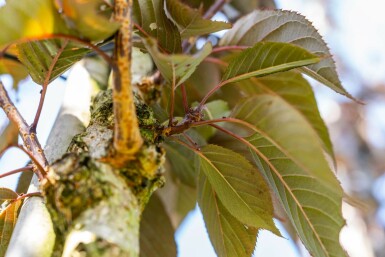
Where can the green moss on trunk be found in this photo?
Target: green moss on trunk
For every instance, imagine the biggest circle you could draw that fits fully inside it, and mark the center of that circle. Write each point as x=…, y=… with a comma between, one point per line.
x=95, y=207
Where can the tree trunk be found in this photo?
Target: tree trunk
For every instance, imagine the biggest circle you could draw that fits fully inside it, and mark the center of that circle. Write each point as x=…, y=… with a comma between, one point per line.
x=95, y=208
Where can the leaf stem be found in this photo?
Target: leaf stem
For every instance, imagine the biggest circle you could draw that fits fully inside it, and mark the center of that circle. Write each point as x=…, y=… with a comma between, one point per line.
x=45, y=86
x=6, y=174
x=214, y=9
x=23, y=196
x=212, y=91
x=215, y=61
x=184, y=97
x=172, y=100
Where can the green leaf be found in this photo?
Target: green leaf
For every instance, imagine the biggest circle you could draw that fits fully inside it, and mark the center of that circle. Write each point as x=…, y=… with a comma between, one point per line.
x=179, y=65
x=297, y=92
x=182, y=162
x=8, y=136
x=314, y=209
x=7, y=194
x=212, y=110
x=37, y=57
x=229, y=237
x=151, y=17
x=181, y=158
x=178, y=198
x=290, y=132
x=156, y=231
x=14, y=68
x=289, y=153
x=266, y=58
x=90, y=18
x=289, y=27
x=23, y=19
x=190, y=22
x=8, y=217
x=240, y=188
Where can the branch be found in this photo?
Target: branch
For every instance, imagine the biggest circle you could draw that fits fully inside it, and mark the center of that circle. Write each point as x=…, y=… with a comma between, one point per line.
x=127, y=138
x=28, y=168
x=31, y=143
x=45, y=86
x=214, y=9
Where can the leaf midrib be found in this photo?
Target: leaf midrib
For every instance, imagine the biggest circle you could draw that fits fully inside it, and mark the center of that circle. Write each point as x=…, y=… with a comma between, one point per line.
x=291, y=193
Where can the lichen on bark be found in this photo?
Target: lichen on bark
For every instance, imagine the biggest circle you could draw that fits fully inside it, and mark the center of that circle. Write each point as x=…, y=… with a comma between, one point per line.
x=95, y=206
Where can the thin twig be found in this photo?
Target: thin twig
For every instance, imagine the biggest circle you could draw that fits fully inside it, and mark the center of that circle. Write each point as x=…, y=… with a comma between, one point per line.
x=184, y=97
x=172, y=100
x=190, y=140
x=32, y=145
x=212, y=91
x=27, y=168
x=45, y=86
x=127, y=138
x=23, y=196
x=215, y=61
x=184, y=144
x=214, y=9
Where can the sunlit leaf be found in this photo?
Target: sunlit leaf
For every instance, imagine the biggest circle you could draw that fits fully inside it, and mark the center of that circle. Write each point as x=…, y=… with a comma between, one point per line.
x=7, y=194
x=295, y=90
x=289, y=153
x=13, y=68
x=151, y=17
x=181, y=159
x=240, y=188
x=90, y=18
x=290, y=132
x=37, y=57
x=8, y=136
x=190, y=21
x=289, y=27
x=8, y=217
x=313, y=208
x=266, y=58
x=156, y=231
x=229, y=237
x=23, y=19
x=179, y=65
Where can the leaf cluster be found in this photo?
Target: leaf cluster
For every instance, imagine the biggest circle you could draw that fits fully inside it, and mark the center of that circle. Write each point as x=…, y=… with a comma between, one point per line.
x=240, y=122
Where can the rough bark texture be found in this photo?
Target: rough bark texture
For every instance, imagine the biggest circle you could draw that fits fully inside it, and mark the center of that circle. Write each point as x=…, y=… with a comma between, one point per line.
x=96, y=207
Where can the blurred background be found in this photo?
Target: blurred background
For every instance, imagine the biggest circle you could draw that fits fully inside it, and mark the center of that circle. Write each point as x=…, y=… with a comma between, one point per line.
x=355, y=33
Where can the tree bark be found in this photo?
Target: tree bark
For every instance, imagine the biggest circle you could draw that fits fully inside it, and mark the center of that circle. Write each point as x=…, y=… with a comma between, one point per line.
x=33, y=235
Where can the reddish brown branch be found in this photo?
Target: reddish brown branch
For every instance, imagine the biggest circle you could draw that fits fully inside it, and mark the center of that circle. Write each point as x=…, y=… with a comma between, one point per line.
x=32, y=145
x=45, y=86
x=184, y=97
x=217, y=6
x=28, y=168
